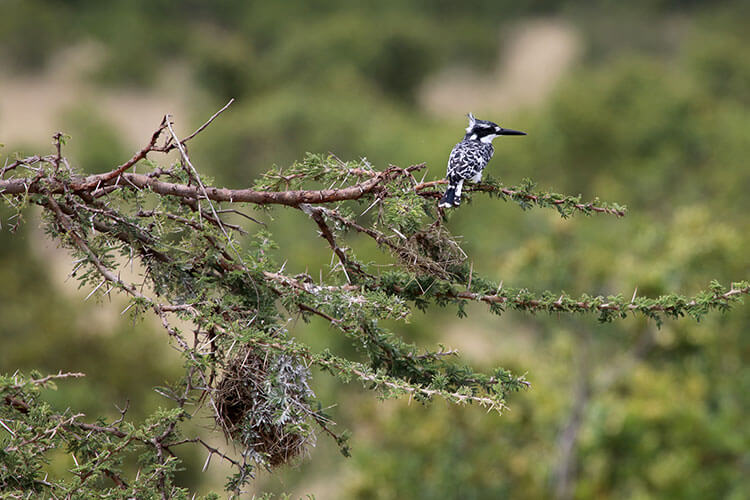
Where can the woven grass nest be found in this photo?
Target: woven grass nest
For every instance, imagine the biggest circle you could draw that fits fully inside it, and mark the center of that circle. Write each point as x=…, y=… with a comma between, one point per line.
x=262, y=403
x=432, y=249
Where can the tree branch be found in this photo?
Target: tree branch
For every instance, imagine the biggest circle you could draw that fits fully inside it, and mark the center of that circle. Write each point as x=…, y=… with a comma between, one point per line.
x=139, y=181
x=524, y=195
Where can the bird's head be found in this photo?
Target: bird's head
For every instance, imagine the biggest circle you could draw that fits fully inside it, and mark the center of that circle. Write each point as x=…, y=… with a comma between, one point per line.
x=485, y=131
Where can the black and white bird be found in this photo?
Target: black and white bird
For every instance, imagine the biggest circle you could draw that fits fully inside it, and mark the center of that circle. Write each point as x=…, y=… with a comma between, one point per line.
x=470, y=156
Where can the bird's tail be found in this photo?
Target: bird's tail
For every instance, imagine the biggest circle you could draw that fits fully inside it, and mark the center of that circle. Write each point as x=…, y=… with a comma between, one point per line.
x=452, y=196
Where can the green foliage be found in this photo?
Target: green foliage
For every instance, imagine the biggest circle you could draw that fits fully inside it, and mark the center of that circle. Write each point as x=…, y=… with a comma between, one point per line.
x=32, y=431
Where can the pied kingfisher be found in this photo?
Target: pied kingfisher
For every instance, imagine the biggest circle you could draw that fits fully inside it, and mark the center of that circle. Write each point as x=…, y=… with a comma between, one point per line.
x=470, y=156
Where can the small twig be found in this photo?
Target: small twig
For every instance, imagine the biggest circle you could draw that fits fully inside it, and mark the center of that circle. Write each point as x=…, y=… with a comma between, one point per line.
x=232, y=210
x=200, y=129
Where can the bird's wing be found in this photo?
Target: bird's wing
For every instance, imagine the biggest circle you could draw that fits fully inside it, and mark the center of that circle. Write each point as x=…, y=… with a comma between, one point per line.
x=466, y=160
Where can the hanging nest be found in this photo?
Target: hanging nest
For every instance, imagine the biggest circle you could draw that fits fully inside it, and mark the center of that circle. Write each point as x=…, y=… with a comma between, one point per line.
x=262, y=403
x=432, y=250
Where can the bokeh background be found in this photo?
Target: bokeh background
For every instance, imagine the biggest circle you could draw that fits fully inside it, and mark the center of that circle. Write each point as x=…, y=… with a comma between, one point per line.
x=646, y=103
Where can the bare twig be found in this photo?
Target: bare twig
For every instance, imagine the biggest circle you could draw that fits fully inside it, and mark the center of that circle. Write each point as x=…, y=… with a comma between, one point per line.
x=172, y=145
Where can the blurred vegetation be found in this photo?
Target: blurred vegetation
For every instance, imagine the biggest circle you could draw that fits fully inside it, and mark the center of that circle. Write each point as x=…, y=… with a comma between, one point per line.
x=654, y=116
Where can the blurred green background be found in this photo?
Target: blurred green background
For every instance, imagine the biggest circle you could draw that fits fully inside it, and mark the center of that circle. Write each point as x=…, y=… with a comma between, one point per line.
x=646, y=103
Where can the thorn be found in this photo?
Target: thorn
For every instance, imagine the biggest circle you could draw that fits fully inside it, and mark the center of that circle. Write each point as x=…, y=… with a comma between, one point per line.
x=94, y=290
x=348, y=280
x=74, y=270
x=368, y=208
x=634, y=292
x=7, y=428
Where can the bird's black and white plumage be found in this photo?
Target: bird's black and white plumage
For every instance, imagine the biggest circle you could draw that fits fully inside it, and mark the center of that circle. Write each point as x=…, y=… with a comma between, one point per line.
x=470, y=156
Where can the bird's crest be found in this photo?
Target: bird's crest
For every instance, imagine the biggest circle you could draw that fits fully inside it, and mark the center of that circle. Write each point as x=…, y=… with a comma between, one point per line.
x=472, y=122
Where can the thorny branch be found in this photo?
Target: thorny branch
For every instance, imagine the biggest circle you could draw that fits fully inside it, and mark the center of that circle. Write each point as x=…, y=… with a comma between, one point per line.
x=540, y=199
x=565, y=303
x=140, y=181
x=374, y=183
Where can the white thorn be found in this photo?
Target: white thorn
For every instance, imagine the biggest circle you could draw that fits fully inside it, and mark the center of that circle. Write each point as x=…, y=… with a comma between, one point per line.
x=94, y=290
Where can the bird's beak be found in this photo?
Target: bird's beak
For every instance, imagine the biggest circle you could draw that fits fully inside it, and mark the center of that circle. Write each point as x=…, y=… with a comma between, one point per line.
x=507, y=131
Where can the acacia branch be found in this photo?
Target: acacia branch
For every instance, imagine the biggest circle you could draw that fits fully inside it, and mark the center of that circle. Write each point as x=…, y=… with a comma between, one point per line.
x=525, y=195
x=675, y=306
x=140, y=181
x=409, y=256
x=316, y=213
x=108, y=275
